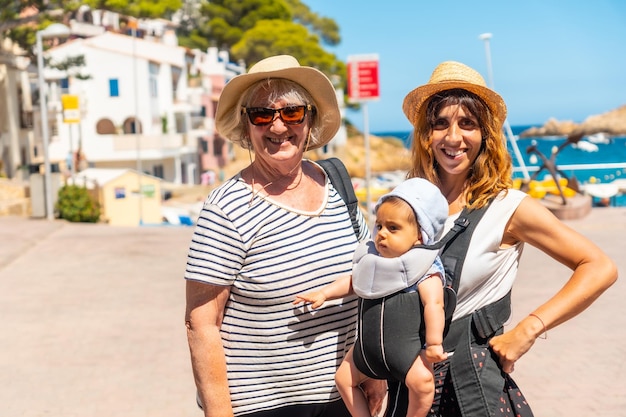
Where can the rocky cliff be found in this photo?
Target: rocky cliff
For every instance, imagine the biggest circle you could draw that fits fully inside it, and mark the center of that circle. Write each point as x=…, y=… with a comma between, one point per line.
x=612, y=122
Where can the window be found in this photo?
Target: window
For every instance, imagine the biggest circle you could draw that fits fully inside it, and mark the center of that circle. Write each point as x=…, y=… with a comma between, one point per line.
x=114, y=90
x=154, y=79
x=105, y=127
x=218, y=145
x=176, y=73
x=204, y=145
x=131, y=125
x=158, y=171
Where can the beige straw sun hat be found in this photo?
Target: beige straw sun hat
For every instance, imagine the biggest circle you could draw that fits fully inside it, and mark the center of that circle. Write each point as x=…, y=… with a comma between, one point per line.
x=447, y=76
x=287, y=67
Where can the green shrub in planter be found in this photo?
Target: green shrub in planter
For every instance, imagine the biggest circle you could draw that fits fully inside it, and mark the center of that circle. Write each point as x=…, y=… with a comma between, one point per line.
x=75, y=204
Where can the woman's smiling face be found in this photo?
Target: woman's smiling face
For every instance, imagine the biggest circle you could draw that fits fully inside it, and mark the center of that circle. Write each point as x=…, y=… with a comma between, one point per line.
x=456, y=139
x=278, y=142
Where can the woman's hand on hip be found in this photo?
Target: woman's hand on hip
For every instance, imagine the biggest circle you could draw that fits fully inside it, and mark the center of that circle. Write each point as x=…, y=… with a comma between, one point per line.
x=513, y=344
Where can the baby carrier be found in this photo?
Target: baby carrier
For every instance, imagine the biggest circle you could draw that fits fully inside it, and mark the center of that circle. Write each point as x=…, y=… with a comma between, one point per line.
x=476, y=391
x=391, y=329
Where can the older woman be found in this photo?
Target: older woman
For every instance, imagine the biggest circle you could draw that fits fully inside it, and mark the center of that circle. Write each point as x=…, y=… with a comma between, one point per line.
x=276, y=229
x=458, y=145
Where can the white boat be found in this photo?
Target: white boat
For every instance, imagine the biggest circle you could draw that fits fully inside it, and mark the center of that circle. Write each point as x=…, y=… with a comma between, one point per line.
x=583, y=145
x=600, y=137
x=601, y=190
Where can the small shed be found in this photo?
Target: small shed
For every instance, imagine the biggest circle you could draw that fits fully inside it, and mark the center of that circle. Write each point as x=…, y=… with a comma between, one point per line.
x=126, y=197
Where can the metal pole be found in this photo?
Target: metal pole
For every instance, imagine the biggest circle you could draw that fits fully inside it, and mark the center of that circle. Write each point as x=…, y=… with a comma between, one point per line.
x=507, y=127
x=368, y=167
x=79, y=149
x=43, y=106
x=486, y=37
x=139, y=167
x=72, y=163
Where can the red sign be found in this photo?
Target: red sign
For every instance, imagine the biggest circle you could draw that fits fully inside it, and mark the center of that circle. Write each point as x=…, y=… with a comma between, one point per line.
x=363, y=77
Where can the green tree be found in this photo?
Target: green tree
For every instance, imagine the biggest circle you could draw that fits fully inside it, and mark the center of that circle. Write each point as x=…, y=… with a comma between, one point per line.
x=255, y=29
x=269, y=37
x=223, y=22
x=325, y=27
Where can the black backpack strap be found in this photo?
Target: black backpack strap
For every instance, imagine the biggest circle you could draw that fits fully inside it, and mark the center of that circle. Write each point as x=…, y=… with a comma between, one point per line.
x=339, y=177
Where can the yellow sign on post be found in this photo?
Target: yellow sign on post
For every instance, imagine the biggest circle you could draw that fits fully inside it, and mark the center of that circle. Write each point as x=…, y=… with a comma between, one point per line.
x=71, y=109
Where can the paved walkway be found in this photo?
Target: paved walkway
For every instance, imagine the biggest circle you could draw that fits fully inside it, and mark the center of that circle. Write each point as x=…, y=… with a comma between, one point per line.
x=91, y=324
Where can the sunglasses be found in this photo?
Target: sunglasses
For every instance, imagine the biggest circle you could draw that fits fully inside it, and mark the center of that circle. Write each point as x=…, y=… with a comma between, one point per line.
x=261, y=116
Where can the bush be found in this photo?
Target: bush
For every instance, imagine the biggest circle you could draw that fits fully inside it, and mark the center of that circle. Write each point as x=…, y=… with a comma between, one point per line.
x=76, y=205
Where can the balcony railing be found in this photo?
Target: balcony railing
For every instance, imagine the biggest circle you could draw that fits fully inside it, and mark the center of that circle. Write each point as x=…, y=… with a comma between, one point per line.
x=170, y=141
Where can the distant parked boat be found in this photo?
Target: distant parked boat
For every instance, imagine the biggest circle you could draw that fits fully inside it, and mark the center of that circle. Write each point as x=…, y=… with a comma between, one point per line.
x=601, y=190
x=600, y=138
x=583, y=145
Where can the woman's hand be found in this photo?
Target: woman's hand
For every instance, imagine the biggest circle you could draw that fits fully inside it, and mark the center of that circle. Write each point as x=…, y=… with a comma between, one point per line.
x=513, y=344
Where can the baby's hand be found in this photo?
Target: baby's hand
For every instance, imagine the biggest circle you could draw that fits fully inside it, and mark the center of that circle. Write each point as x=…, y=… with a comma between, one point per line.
x=435, y=353
x=316, y=298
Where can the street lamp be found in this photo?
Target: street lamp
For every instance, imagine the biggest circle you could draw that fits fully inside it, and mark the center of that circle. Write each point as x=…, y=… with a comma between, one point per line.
x=55, y=30
x=508, y=132
x=485, y=37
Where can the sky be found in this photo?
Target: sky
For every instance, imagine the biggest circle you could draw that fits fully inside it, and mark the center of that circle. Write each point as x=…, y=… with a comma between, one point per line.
x=549, y=58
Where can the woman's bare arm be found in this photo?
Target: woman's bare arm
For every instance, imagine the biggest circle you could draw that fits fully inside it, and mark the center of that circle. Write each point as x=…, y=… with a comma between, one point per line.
x=203, y=319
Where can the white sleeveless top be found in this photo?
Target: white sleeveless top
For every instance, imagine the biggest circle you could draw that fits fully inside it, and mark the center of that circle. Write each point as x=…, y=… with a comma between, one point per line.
x=489, y=271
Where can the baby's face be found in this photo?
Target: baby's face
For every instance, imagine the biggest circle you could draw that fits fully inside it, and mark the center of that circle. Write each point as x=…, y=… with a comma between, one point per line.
x=396, y=229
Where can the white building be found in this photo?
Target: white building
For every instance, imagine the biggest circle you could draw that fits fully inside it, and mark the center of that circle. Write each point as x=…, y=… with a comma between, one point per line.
x=148, y=104
x=138, y=109
x=16, y=117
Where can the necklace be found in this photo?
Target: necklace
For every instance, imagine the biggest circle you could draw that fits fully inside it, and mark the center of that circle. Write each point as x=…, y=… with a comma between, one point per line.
x=295, y=185
x=254, y=194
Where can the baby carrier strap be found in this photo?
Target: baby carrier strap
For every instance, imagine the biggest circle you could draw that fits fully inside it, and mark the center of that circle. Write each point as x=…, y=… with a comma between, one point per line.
x=453, y=255
x=472, y=391
x=455, y=244
x=477, y=395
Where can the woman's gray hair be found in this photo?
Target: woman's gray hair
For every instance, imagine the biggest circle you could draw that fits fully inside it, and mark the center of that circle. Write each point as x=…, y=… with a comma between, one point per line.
x=235, y=124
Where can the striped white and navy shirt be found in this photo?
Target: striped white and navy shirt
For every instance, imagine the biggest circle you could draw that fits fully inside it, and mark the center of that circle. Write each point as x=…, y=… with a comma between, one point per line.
x=277, y=354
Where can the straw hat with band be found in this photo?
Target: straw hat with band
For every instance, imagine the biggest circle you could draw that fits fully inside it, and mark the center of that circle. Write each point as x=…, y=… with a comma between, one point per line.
x=447, y=76
x=287, y=67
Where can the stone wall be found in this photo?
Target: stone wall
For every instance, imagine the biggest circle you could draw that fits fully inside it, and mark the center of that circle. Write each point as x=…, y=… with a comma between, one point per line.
x=14, y=198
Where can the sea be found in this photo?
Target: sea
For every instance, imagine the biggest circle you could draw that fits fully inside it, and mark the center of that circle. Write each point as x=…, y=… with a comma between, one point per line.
x=589, y=162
